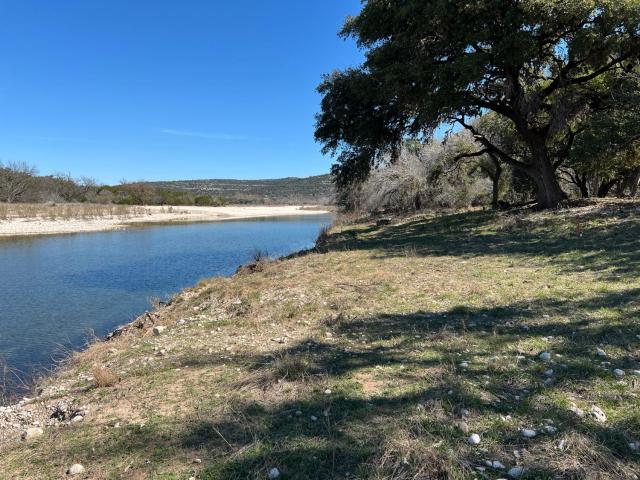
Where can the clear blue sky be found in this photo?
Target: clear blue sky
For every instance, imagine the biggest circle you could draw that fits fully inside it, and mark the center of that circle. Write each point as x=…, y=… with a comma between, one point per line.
x=161, y=89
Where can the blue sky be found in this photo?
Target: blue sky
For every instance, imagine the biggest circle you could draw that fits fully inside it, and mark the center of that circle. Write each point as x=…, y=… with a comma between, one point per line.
x=162, y=89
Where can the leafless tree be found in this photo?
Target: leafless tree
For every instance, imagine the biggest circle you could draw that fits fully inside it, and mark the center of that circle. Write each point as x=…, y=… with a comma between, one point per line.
x=15, y=180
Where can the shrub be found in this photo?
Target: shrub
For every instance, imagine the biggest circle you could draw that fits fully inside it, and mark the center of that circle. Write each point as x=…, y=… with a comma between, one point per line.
x=103, y=376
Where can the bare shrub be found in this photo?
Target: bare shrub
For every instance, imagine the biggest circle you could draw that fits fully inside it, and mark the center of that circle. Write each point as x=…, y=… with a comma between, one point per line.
x=323, y=236
x=104, y=377
x=15, y=180
x=422, y=177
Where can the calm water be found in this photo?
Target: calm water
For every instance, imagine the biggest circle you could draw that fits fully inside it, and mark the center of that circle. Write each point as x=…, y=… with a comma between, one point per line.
x=53, y=290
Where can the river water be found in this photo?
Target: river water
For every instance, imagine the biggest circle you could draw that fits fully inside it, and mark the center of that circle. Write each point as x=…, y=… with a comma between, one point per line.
x=55, y=291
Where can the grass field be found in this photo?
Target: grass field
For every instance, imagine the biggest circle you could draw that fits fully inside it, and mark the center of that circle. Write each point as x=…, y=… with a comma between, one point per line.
x=377, y=356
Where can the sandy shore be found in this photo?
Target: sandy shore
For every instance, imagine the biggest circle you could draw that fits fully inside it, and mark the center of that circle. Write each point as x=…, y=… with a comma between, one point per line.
x=148, y=215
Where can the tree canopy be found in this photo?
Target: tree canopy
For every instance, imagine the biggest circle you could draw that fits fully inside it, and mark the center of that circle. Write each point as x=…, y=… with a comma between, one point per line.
x=538, y=64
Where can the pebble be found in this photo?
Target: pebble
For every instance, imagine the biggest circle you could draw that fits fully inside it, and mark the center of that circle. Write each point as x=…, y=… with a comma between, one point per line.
x=159, y=330
x=32, y=433
x=77, y=418
x=75, y=469
x=545, y=356
x=575, y=409
x=598, y=414
x=516, y=472
x=464, y=364
x=495, y=464
x=636, y=373
x=464, y=428
x=618, y=373
x=313, y=418
x=528, y=433
x=197, y=460
x=274, y=473
x=549, y=372
x=601, y=352
x=474, y=439
x=327, y=392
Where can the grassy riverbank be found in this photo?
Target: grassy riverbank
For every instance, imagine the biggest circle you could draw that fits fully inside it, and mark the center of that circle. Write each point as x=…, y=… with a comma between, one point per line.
x=377, y=356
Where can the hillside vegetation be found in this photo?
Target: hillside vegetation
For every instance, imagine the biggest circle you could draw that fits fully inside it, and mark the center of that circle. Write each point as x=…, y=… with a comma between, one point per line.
x=378, y=355
x=283, y=191
x=20, y=183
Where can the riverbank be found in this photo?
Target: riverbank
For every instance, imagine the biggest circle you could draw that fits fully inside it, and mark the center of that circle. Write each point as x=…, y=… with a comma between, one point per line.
x=61, y=219
x=462, y=345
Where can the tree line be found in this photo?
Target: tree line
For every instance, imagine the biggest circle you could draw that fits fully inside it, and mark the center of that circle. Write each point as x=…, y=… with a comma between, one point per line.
x=19, y=182
x=539, y=99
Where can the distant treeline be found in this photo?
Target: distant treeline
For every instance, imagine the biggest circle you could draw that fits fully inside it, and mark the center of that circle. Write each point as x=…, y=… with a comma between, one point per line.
x=19, y=183
x=315, y=190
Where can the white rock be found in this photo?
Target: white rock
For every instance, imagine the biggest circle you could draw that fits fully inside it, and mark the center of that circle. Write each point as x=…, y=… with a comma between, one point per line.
x=32, y=433
x=601, y=352
x=598, y=414
x=75, y=469
x=464, y=364
x=550, y=429
x=618, y=373
x=327, y=391
x=562, y=444
x=516, y=472
x=495, y=464
x=313, y=418
x=636, y=373
x=528, y=433
x=159, y=330
x=274, y=473
x=634, y=446
x=474, y=439
x=545, y=356
x=77, y=418
x=575, y=409
x=549, y=372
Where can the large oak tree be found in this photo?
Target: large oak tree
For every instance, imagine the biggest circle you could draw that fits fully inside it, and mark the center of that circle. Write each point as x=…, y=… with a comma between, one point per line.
x=536, y=63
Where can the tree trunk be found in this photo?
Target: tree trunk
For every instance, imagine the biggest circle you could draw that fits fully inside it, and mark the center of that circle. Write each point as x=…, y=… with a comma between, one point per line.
x=582, y=185
x=605, y=187
x=495, y=179
x=548, y=194
x=632, y=181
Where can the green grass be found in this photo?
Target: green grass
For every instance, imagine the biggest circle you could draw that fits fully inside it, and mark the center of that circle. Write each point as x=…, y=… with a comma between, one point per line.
x=384, y=318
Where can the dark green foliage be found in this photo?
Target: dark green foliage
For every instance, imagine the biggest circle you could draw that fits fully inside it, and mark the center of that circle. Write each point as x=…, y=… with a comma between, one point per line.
x=536, y=64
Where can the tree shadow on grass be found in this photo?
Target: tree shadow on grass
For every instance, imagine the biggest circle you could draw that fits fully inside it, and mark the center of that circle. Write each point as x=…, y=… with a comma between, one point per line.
x=613, y=250
x=425, y=393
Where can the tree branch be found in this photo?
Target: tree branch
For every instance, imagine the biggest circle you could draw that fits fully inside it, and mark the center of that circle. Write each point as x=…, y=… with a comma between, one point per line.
x=491, y=148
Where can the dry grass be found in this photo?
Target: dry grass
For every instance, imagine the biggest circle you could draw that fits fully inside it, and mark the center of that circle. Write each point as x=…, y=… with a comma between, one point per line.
x=67, y=211
x=376, y=358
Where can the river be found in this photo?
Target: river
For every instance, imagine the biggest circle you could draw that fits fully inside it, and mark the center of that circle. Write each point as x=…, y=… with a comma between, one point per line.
x=55, y=292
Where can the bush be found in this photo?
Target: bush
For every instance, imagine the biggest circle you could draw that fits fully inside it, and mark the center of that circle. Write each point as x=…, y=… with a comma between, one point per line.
x=422, y=177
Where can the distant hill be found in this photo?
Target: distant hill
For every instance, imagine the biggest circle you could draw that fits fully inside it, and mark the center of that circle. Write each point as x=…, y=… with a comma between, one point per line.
x=286, y=191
